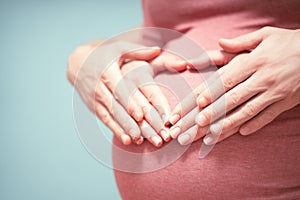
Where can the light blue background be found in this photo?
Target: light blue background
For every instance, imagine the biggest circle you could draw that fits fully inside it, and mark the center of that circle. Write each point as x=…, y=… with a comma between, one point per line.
x=41, y=155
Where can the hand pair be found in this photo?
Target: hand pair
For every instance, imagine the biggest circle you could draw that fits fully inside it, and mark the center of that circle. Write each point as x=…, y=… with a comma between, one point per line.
x=259, y=80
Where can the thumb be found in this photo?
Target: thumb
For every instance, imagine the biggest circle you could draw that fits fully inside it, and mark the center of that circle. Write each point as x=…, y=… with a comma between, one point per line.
x=146, y=54
x=245, y=42
x=168, y=61
x=211, y=58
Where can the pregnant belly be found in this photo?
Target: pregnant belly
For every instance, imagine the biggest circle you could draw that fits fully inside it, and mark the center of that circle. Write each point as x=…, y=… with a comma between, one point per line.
x=264, y=165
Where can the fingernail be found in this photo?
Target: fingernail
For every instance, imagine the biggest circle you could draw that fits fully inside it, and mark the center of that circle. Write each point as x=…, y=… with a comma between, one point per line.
x=165, y=135
x=125, y=139
x=140, y=140
x=209, y=140
x=134, y=134
x=216, y=129
x=174, y=132
x=202, y=102
x=201, y=120
x=184, y=139
x=157, y=141
x=244, y=130
x=174, y=118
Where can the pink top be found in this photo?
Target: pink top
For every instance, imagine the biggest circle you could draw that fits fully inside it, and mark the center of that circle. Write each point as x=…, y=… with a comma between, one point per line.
x=264, y=165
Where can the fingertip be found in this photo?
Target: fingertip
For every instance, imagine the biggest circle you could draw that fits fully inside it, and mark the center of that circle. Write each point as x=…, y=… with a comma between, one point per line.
x=165, y=135
x=126, y=140
x=174, y=118
x=155, y=48
x=223, y=40
x=135, y=134
x=140, y=141
x=209, y=139
x=202, y=102
x=156, y=141
x=184, y=139
x=174, y=132
x=181, y=64
x=201, y=120
x=245, y=131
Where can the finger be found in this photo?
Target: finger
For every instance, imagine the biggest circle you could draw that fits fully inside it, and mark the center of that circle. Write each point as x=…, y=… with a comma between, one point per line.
x=114, y=80
x=152, y=116
x=226, y=78
x=211, y=139
x=153, y=102
x=150, y=134
x=168, y=61
x=184, y=124
x=245, y=112
x=210, y=58
x=191, y=135
x=117, y=112
x=139, y=141
x=141, y=74
x=185, y=106
x=201, y=92
x=142, y=53
x=264, y=118
x=244, y=42
x=230, y=100
x=107, y=119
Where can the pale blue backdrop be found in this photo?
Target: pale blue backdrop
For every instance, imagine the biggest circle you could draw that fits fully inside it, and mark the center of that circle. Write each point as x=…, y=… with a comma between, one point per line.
x=41, y=155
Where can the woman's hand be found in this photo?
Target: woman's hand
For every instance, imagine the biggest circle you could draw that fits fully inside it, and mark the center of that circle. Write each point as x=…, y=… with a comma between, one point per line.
x=140, y=75
x=114, y=99
x=258, y=85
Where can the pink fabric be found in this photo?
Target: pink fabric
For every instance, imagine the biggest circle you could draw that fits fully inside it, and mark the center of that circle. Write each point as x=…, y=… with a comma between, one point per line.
x=264, y=165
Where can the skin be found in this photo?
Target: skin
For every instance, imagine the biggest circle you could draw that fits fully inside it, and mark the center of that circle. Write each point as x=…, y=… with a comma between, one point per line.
x=260, y=80
x=130, y=119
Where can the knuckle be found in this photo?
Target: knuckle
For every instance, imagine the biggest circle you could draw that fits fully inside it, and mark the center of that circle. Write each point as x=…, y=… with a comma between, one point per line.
x=269, y=80
x=104, y=76
x=211, y=113
x=98, y=93
x=283, y=90
x=99, y=110
x=114, y=112
x=100, y=96
x=200, y=89
x=249, y=110
x=251, y=89
x=229, y=123
x=260, y=62
x=235, y=98
x=105, y=118
x=228, y=83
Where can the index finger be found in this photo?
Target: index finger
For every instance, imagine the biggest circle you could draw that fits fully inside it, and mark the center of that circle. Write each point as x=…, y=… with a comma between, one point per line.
x=141, y=74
